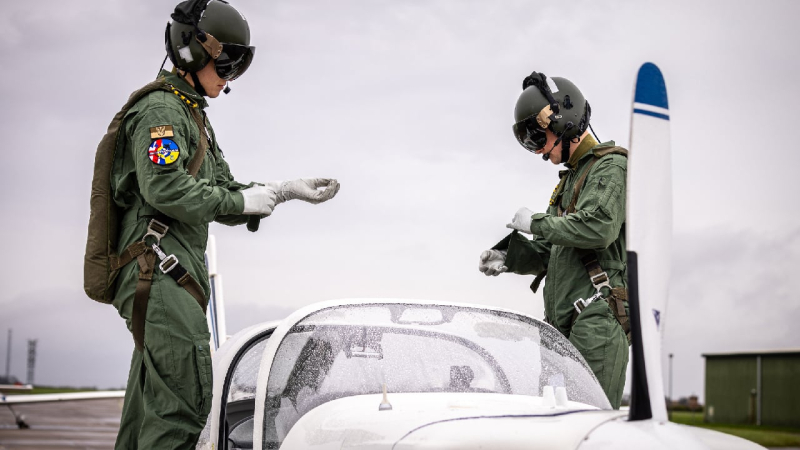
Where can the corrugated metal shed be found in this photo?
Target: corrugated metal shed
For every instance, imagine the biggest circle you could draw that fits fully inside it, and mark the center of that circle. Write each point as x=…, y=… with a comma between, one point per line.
x=760, y=387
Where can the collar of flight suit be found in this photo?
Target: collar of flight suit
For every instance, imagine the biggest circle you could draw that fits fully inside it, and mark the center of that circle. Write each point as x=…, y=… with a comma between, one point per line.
x=586, y=148
x=583, y=148
x=185, y=88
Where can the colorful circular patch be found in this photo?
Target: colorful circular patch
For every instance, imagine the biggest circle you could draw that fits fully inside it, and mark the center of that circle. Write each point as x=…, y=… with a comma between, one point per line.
x=163, y=152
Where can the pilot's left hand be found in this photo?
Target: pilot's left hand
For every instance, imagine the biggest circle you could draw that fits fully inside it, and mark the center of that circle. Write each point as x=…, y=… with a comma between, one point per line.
x=493, y=263
x=522, y=221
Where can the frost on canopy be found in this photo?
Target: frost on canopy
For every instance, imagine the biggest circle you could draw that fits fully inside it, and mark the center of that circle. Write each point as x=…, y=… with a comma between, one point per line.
x=356, y=349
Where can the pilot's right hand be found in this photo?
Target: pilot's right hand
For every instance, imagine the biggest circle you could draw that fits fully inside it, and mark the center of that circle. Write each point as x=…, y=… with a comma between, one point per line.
x=493, y=262
x=259, y=200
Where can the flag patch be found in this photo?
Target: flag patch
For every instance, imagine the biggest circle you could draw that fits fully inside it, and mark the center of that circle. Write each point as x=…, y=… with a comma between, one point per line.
x=163, y=152
x=163, y=131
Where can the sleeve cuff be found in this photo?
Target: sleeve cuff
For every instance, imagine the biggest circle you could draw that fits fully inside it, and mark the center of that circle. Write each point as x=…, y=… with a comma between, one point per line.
x=238, y=202
x=537, y=224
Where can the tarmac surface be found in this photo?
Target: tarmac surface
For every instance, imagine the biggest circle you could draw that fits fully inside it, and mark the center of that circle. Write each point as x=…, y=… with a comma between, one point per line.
x=88, y=424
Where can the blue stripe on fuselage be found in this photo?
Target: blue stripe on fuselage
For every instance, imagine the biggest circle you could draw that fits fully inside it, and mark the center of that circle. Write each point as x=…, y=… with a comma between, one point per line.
x=651, y=113
x=650, y=87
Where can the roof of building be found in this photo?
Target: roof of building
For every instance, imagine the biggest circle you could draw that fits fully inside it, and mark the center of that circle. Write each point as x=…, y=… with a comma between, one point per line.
x=755, y=353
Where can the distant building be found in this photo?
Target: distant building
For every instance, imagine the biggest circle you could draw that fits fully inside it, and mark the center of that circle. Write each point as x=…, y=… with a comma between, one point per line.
x=761, y=388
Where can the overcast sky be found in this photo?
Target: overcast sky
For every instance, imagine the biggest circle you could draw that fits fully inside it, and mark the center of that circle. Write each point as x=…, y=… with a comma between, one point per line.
x=410, y=105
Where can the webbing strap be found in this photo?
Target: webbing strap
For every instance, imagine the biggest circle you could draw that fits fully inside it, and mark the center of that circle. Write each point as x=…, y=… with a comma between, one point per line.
x=147, y=262
x=576, y=191
x=616, y=302
x=538, y=281
x=202, y=147
x=128, y=255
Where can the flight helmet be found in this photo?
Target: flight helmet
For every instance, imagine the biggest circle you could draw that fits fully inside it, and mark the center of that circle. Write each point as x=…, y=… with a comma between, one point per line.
x=554, y=104
x=203, y=30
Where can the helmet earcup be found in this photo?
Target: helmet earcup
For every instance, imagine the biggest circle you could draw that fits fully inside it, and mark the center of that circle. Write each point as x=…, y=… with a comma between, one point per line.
x=183, y=49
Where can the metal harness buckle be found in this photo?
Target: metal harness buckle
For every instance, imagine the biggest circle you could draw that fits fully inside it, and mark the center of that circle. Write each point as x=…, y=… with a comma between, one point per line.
x=600, y=281
x=156, y=229
x=167, y=262
x=581, y=304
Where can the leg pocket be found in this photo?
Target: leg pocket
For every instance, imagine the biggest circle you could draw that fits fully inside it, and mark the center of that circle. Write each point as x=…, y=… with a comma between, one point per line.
x=202, y=357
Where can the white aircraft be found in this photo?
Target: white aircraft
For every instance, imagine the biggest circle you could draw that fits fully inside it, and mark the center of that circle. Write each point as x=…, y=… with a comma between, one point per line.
x=411, y=374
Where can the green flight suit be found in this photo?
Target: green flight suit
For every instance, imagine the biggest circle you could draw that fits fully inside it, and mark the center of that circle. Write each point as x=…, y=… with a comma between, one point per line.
x=598, y=224
x=168, y=397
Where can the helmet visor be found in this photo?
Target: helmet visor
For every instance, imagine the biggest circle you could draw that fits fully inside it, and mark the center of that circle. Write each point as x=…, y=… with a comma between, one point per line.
x=529, y=134
x=234, y=60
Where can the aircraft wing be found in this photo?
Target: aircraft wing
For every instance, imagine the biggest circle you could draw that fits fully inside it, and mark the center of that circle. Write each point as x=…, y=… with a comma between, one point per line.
x=63, y=397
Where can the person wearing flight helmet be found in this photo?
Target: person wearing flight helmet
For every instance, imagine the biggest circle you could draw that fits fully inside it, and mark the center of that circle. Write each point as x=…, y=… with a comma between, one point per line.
x=160, y=179
x=579, y=241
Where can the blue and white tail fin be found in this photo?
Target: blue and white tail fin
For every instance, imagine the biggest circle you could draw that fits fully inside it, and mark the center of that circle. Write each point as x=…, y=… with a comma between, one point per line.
x=216, y=305
x=649, y=236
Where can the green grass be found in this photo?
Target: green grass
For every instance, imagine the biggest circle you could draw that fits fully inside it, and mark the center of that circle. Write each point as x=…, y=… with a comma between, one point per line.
x=762, y=435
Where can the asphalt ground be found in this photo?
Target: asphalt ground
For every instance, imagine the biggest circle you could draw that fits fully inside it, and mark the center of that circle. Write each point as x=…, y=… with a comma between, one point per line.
x=88, y=424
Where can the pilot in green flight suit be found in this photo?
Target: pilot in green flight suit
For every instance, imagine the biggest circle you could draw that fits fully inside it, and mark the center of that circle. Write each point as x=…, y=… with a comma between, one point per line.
x=579, y=242
x=169, y=387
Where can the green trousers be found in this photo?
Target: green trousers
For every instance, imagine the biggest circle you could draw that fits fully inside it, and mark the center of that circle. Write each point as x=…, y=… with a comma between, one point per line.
x=603, y=344
x=168, y=397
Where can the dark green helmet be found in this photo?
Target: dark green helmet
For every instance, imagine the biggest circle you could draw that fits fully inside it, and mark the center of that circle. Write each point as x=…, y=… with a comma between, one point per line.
x=549, y=103
x=203, y=30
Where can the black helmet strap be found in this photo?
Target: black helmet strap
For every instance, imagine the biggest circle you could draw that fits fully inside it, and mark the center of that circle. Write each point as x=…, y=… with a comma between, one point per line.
x=539, y=80
x=198, y=87
x=189, y=12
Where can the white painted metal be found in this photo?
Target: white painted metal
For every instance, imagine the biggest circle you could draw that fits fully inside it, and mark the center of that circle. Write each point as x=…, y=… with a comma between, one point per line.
x=445, y=421
x=215, y=314
x=50, y=398
x=284, y=327
x=649, y=227
x=221, y=363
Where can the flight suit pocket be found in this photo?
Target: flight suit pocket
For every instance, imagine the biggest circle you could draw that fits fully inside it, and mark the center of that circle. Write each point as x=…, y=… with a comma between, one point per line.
x=608, y=194
x=202, y=356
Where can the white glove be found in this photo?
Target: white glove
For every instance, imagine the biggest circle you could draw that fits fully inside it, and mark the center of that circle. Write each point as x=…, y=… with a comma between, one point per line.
x=493, y=262
x=522, y=221
x=305, y=189
x=259, y=200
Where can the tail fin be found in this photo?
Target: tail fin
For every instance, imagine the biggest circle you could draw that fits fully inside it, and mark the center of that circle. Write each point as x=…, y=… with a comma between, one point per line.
x=649, y=235
x=216, y=304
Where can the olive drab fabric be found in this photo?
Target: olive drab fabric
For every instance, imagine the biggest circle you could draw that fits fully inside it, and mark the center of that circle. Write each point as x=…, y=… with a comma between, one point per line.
x=99, y=272
x=101, y=259
x=598, y=224
x=169, y=386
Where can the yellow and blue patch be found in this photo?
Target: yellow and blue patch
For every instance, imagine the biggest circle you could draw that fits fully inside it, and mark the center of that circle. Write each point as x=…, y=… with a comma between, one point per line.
x=163, y=152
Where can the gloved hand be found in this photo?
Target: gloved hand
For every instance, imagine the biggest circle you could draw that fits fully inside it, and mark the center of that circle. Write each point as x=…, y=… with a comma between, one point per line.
x=259, y=200
x=305, y=189
x=522, y=221
x=493, y=262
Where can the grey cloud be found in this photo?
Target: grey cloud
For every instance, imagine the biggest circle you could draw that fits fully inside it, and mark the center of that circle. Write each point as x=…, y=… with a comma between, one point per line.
x=410, y=105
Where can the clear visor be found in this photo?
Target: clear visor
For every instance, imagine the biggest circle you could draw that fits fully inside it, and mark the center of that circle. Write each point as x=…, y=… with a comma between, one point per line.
x=234, y=61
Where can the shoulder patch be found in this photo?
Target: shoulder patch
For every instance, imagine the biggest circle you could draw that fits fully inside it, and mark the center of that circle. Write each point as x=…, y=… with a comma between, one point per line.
x=161, y=132
x=163, y=152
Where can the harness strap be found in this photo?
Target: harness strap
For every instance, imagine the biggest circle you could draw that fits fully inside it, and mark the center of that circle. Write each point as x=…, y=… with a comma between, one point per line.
x=538, y=281
x=147, y=262
x=128, y=255
x=576, y=192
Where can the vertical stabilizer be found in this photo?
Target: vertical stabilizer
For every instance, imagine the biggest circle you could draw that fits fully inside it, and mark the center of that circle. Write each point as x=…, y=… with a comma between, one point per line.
x=215, y=313
x=649, y=235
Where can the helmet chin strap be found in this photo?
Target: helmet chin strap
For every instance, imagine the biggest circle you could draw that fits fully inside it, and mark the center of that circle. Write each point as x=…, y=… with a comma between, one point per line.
x=198, y=87
x=564, y=145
